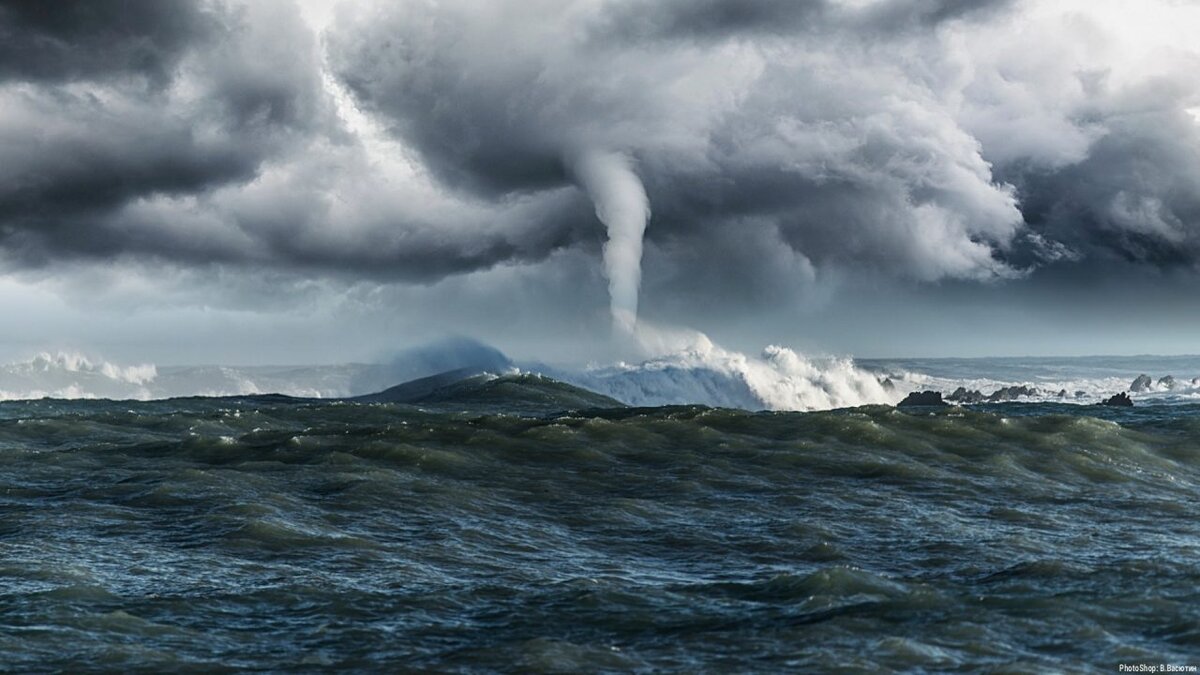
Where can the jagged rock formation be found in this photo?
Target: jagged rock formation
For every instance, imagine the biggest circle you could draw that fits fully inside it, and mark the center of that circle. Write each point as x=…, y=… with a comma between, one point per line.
x=1141, y=383
x=964, y=395
x=1013, y=393
x=1121, y=400
x=922, y=398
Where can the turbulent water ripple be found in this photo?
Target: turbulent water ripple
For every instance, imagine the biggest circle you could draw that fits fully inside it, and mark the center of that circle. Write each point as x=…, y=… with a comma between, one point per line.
x=264, y=533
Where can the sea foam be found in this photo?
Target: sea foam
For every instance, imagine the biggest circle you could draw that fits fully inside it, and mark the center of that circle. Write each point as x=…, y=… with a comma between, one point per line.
x=691, y=369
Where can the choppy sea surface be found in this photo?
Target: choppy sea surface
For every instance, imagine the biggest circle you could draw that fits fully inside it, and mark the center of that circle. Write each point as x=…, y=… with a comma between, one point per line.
x=283, y=535
x=492, y=529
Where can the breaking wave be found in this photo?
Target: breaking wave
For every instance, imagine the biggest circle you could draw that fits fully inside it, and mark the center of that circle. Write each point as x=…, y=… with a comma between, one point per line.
x=73, y=375
x=705, y=373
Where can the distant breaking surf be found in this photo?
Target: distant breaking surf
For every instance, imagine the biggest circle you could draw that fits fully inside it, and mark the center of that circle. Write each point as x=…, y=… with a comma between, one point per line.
x=681, y=368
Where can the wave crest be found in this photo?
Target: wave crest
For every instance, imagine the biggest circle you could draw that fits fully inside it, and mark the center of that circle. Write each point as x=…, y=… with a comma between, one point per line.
x=691, y=368
x=72, y=375
x=74, y=362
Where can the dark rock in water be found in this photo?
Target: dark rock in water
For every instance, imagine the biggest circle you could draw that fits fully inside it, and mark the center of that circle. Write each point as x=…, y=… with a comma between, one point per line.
x=887, y=384
x=1062, y=393
x=1167, y=382
x=1013, y=393
x=964, y=395
x=1079, y=393
x=922, y=398
x=1141, y=383
x=1121, y=400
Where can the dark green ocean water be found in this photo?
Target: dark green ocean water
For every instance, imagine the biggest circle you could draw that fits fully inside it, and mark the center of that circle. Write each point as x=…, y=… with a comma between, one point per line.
x=267, y=534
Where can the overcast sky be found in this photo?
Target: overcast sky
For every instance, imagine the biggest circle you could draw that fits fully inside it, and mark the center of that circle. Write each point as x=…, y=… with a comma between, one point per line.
x=184, y=181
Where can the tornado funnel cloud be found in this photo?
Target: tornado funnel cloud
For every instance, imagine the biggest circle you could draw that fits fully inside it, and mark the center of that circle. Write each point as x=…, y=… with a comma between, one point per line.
x=621, y=204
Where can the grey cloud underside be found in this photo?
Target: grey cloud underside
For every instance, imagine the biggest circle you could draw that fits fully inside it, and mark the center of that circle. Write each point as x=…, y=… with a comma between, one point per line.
x=1134, y=199
x=776, y=141
x=70, y=40
x=722, y=19
x=198, y=133
x=68, y=151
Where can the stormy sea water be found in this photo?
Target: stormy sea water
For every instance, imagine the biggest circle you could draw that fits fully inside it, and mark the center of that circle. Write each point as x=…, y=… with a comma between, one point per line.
x=510, y=522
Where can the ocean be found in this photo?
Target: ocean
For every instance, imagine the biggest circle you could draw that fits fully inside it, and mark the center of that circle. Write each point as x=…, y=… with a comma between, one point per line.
x=514, y=523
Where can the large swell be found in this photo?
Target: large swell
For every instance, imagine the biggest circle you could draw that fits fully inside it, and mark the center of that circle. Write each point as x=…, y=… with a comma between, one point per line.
x=265, y=534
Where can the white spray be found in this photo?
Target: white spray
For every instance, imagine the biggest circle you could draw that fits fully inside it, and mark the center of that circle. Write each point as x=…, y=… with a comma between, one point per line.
x=622, y=205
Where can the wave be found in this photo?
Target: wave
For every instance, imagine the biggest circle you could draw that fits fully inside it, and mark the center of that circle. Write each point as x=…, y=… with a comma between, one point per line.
x=72, y=362
x=707, y=374
x=685, y=527
x=73, y=375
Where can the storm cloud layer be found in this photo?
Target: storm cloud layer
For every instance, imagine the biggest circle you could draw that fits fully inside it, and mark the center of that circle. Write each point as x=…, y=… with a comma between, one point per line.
x=778, y=143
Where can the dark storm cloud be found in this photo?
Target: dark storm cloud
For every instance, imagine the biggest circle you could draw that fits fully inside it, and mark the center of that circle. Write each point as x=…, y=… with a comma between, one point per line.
x=202, y=132
x=86, y=124
x=647, y=19
x=65, y=40
x=722, y=19
x=779, y=143
x=1134, y=198
x=71, y=168
x=1118, y=187
x=86, y=141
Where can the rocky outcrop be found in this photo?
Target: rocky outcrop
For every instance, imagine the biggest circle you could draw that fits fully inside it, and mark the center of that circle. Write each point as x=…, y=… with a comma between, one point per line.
x=922, y=398
x=1141, y=383
x=887, y=384
x=1166, y=382
x=964, y=395
x=1013, y=393
x=1121, y=400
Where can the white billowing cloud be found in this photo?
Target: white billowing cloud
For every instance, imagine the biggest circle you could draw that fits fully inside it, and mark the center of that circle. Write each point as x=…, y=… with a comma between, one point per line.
x=903, y=138
x=854, y=157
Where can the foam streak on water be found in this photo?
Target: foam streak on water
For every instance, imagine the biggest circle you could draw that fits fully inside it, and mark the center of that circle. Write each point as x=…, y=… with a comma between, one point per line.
x=267, y=534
